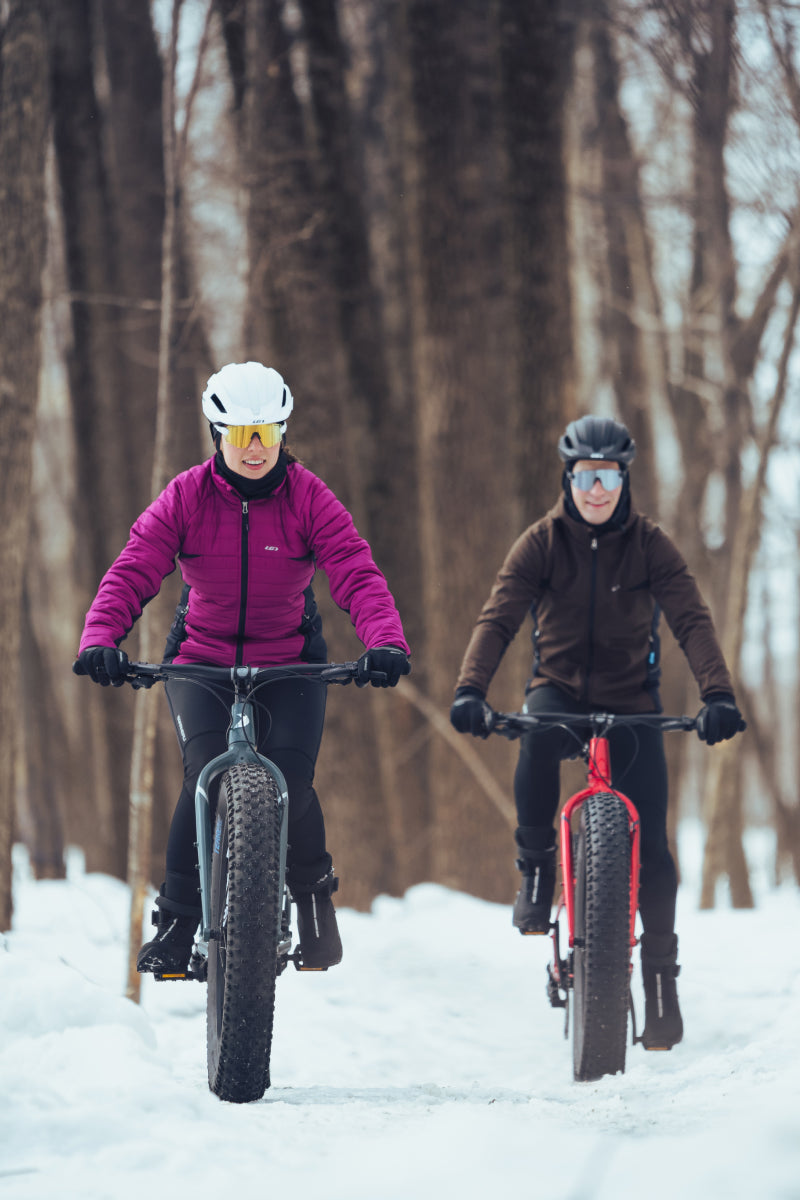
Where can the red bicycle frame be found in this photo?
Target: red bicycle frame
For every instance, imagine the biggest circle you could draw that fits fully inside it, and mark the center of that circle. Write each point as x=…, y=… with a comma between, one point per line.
x=599, y=781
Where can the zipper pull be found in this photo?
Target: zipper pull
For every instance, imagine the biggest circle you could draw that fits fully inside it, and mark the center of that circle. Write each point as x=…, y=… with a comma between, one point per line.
x=593, y=543
x=245, y=504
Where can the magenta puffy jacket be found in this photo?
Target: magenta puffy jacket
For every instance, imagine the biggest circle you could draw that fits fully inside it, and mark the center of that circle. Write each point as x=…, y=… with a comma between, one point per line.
x=249, y=565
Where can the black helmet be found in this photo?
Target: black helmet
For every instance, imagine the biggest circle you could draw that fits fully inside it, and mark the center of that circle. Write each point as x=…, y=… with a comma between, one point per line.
x=597, y=437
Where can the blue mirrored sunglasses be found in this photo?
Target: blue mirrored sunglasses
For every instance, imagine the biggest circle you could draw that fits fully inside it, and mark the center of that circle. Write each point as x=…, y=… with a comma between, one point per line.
x=609, y=477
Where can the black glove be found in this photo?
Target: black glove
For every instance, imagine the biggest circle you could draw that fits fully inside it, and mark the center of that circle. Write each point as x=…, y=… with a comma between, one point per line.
x=103, y=664
x=382, y=667
x=719, y=718
x=469, y=713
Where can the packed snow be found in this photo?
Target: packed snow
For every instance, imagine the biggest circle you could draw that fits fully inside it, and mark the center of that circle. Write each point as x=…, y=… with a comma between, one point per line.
x=429, y=1063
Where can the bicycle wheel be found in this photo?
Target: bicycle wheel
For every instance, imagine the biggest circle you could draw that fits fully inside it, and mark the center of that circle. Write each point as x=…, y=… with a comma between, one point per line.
x=245, y=916
x=601, y=960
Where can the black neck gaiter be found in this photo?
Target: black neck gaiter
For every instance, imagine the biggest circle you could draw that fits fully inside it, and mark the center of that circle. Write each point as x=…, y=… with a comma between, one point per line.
x=253, y=489
x=617, y=518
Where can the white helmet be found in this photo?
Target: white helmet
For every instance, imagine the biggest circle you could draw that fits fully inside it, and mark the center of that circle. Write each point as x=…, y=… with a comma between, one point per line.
x=247, y=394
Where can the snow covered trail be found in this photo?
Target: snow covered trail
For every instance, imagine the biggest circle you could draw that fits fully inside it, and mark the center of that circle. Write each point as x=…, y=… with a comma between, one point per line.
x=429, y=1062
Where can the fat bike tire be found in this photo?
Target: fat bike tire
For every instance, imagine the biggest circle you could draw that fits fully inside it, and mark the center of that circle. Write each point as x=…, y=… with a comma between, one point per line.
x=602, y=953
x=245, y=916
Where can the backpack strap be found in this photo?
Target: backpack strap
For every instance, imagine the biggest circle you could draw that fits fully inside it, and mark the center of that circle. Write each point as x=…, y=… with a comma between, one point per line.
x=654, y=652
x=177, y=630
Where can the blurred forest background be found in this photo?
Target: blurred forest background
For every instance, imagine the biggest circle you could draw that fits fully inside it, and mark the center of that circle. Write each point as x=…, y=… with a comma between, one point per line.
x=453, y=225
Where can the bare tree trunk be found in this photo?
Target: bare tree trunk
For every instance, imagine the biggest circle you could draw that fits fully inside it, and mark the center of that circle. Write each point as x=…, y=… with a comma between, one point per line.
x=630, y=320
x=710, y=404
x=106, y=488
x=143, y=753
x=786, y=815
x=377, y=51
x=383, y=439
x=463, y=390
x=23, y=140
x=45, y=751
x=134, y=149
x=723, y=795
x=294, y=322
x=632, y=331
x=536, y=53
x=111, y=173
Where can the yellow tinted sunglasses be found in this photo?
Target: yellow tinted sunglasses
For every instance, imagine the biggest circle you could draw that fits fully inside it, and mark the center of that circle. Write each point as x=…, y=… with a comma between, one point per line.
x=242, y=435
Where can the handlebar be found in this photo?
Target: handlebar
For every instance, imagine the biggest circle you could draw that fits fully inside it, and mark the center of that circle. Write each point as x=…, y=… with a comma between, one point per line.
x=513, y=725
x=142, y=674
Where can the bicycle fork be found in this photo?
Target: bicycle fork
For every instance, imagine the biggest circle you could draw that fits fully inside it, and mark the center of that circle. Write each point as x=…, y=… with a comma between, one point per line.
x=240, y=751
x=560, y=976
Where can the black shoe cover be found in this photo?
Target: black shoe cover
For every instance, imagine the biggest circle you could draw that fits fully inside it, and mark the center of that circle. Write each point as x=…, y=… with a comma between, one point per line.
x=317, y=930
x=663, y=1024
x=169, y=951
x=535, y=896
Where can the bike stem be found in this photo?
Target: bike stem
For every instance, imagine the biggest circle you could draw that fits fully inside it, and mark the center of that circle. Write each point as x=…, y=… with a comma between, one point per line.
x=599, y=781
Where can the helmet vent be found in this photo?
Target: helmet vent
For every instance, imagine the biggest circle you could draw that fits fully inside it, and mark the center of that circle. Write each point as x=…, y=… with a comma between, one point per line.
x=215, y=398
x=283, y=401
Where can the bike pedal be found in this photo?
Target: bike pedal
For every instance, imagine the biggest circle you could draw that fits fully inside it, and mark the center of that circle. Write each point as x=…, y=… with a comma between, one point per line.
x=296, y=958
x=197, y=971
x=554, y=989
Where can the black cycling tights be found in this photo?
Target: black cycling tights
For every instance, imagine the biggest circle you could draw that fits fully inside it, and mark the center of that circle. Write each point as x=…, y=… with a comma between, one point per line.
x=639, y=770
x=289, y=716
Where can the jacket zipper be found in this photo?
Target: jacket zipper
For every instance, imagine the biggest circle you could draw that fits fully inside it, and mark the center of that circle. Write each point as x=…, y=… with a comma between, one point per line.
x=243, y=585
x=592, y=593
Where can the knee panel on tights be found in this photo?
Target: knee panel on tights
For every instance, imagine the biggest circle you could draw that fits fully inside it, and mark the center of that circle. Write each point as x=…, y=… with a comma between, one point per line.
x=298, y=771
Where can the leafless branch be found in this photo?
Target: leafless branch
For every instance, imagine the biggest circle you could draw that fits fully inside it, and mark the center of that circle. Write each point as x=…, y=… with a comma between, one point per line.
x=457, y=742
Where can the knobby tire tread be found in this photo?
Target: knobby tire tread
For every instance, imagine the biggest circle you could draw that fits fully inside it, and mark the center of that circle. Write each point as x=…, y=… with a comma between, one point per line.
x=602, y=938
x=246, y=905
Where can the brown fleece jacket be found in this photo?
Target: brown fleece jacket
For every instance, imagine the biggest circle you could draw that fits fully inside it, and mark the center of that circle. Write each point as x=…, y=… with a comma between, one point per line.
x=594, y=596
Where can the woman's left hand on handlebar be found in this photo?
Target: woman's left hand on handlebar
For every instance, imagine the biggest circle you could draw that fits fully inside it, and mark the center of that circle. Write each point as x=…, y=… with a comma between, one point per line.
x=719, y=719
x=103, y=664
x=382, y=667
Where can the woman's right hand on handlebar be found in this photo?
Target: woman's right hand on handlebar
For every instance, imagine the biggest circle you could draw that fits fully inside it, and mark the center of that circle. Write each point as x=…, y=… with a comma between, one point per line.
x=103, y=664
x=470, y=713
